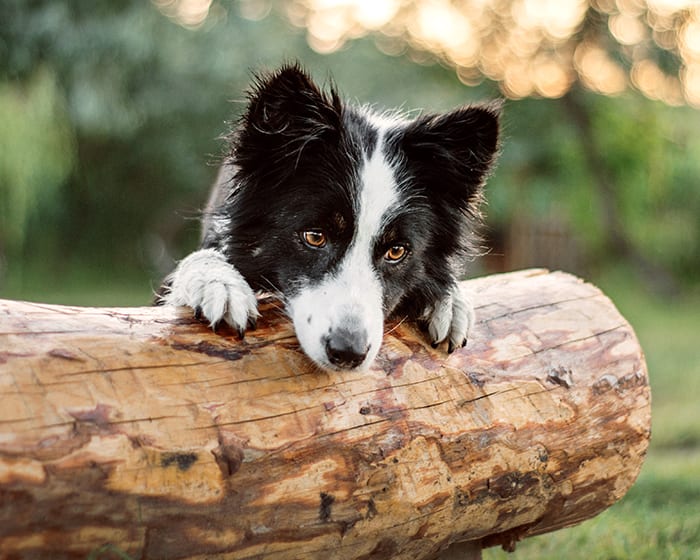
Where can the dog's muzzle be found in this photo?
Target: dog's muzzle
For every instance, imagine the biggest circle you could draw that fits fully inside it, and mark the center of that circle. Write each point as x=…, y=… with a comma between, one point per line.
x=346, y=348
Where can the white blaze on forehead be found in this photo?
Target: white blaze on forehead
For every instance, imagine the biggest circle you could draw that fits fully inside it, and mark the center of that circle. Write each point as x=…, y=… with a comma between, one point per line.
x=352, y=297
x=357, y=280
x=378, y=194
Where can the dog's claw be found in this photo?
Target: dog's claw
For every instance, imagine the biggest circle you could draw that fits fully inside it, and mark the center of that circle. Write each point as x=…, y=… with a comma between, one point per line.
x=214, y=289
x=451, y=320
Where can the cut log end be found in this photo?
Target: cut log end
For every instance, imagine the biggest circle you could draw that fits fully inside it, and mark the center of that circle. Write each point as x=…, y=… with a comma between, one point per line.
x=142, y=429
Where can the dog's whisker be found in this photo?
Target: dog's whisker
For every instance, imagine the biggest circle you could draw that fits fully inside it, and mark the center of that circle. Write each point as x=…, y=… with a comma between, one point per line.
x=274, y=290
x=397, y=325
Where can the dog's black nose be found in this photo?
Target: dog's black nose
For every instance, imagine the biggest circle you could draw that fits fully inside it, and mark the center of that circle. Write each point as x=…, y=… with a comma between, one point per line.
x=347, y=349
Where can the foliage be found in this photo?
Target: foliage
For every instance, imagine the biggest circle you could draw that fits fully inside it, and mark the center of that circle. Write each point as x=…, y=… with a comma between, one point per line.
x=652, y=152
x=655, y=150
x=36, y=151
x=145, y=100
x=530, y=47
x=110, y=113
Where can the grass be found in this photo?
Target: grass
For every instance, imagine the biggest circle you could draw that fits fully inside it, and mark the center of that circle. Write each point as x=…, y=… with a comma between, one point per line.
x=78, y=285
x=659, y=518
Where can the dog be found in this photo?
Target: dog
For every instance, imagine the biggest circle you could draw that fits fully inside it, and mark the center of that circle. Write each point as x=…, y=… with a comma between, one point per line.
x=348, y=215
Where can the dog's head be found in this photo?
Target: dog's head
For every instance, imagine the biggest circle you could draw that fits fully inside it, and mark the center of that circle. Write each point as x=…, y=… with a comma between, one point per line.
x=351, y=215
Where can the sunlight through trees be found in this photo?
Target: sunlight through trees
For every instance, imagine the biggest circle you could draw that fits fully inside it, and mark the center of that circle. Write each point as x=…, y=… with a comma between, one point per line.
x=529, y=47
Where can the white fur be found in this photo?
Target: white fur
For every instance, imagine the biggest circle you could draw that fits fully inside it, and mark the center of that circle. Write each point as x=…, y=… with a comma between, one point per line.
x=352, y=297
x=205, y=281
x=452, y=318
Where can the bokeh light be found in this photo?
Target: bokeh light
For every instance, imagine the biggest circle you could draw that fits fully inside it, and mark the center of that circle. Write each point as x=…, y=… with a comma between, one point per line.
x=530, y=47
x=188, y=13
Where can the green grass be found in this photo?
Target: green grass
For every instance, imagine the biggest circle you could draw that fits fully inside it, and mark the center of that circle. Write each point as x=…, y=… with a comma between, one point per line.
x=78, y=285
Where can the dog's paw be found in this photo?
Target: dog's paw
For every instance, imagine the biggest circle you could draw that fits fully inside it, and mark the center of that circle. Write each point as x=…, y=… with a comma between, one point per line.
x=451, y=319
x=214, y=289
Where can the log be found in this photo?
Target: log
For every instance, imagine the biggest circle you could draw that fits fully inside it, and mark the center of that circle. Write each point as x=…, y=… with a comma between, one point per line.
x=139, y=433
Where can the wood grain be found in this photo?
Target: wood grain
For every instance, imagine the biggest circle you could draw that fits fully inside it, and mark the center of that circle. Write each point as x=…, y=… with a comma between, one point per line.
x=141, y=431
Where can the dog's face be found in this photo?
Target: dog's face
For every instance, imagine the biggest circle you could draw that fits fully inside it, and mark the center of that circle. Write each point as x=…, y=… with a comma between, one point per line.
x=348, y=215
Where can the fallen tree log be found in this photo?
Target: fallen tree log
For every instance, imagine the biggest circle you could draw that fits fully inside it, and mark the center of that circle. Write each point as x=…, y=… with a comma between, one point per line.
x=139, y=431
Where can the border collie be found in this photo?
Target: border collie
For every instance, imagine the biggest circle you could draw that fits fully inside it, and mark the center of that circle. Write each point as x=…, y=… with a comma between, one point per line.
x=348, y=216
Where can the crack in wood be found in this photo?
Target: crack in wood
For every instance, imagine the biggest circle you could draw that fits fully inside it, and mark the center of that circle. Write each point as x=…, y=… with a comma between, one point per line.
x=257, y=419
x=465, y=402
x=107, y=423
x=134, y=368
x=546, y=305
x=560, y=345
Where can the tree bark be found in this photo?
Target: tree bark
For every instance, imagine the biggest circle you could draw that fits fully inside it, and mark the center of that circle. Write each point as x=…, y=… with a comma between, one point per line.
x=140, y=432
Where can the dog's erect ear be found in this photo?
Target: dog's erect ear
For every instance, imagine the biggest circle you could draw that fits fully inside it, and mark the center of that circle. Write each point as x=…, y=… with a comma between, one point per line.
x=287, y=114
x=289, y=98
x=454, y=152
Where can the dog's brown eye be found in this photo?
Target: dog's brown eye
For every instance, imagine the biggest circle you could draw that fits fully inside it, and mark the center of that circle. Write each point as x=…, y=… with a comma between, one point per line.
x=314, y=238
x=396, y=253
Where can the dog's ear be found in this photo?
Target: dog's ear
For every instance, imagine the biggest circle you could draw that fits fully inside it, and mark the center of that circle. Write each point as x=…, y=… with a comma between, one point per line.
x=454, y=152
x=287, y=116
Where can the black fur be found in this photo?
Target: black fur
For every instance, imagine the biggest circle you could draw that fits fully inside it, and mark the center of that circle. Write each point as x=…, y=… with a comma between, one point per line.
x=297, y=162
x=295, y=154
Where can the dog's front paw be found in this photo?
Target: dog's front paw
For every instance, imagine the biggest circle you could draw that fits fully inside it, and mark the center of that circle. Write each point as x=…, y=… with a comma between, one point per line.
x=214, y=289
x=451, y=319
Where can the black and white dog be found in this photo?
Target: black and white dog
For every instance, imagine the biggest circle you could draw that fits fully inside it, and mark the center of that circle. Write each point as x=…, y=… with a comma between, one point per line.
x=349, y=216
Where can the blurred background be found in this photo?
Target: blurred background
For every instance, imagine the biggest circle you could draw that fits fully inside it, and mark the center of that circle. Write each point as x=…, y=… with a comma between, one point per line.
x=110, y=114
